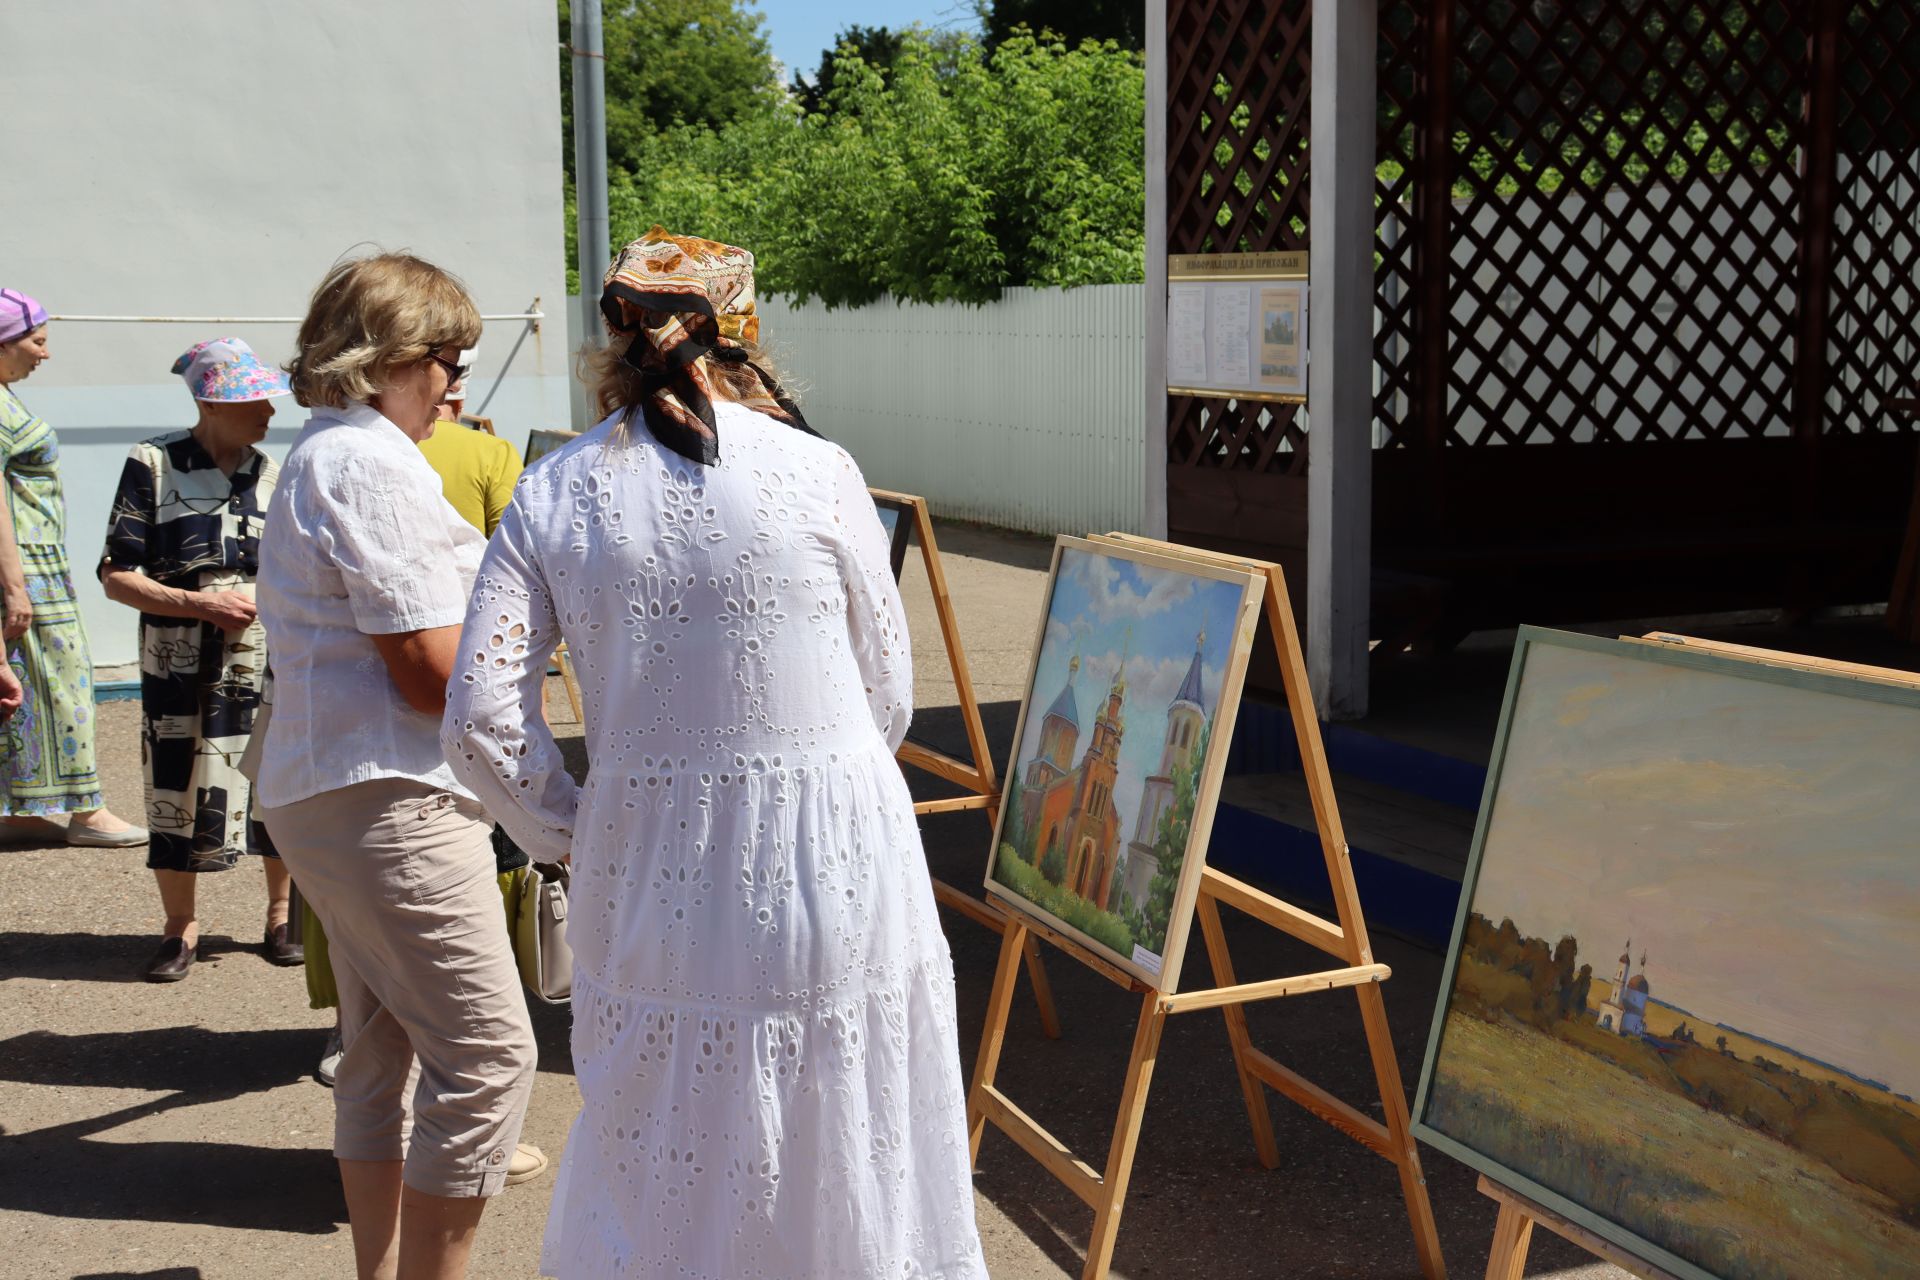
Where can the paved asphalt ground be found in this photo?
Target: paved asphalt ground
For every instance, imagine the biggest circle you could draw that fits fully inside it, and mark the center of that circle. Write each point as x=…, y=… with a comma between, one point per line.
x=176, y=1132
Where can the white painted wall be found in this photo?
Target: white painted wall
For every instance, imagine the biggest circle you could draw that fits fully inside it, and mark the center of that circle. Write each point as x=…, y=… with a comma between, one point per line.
x=1024, y=413
x=204, y=158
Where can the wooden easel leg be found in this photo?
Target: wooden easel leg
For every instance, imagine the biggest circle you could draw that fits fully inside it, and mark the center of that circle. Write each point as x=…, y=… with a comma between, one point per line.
x=1406, y=1152
x=1512, y=1233
x=1042, y=989
x=993, y=1036
x=1126, y=1136
x=1251, y=1090
x=572, y=682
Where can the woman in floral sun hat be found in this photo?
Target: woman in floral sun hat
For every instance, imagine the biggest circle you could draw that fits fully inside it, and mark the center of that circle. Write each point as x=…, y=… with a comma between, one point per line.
x=183, y=547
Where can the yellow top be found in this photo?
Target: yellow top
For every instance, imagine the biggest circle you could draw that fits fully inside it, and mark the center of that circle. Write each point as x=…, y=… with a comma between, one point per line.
x=477, y=471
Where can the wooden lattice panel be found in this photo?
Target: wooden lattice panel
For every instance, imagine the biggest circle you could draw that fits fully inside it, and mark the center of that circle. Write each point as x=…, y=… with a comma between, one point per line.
x=1401, y=100
x=1625, y=228
x=1237, y=87
x=1874, y=345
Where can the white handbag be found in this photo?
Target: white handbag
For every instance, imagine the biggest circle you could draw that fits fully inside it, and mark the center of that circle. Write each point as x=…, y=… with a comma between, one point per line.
x=540, y=933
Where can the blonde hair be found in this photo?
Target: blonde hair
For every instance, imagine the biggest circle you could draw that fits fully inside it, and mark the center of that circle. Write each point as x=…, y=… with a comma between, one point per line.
x=614, y=385
x=372, y=316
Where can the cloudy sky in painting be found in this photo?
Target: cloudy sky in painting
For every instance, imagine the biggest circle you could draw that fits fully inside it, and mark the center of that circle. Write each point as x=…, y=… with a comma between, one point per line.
x=1760, y=843
x=1098, y=602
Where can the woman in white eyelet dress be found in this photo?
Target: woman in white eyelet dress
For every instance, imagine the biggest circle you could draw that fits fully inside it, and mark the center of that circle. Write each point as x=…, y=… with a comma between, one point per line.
x=764, y=1030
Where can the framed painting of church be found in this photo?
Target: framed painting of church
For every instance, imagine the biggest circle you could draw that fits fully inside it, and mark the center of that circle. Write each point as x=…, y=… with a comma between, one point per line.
x=1121, y=745
x=1679, y=1004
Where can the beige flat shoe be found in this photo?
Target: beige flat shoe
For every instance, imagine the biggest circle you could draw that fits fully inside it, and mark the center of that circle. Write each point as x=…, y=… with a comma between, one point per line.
x=528, y=1163
x=88, y=838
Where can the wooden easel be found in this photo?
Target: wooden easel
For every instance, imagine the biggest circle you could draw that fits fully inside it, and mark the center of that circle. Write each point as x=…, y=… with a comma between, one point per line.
x=975, y=776
x=1513, y=1234
x=1345, y=938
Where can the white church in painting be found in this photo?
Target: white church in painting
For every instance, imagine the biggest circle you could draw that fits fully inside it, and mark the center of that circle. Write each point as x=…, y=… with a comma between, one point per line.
x=1625, y=1011
x=1186, y=716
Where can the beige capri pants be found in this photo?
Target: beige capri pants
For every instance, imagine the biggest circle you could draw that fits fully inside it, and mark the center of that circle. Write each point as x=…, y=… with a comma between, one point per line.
x=439, y=1051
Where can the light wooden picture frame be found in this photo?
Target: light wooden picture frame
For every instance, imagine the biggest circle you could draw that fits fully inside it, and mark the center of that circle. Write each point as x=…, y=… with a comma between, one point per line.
x=1103, y=824
x=897, y=517
x=544, y=440
x=1676, y=1010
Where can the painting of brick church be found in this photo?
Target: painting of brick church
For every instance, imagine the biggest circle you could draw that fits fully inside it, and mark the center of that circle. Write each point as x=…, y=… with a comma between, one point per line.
x=1103, y=825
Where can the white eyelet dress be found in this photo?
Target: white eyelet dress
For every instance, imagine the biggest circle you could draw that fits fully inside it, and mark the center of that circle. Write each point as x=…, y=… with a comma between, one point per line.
x=763, y=1016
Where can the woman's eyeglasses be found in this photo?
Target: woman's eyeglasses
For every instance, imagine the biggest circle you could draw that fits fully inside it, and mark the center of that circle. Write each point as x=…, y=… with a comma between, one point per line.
x=456, y=373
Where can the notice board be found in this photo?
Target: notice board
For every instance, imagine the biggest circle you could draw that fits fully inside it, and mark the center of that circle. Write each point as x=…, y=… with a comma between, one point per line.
x=1237, y=325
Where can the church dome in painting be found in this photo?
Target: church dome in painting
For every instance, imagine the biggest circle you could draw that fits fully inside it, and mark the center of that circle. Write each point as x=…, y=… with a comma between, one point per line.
x=1637, y=982
x=1063, y=706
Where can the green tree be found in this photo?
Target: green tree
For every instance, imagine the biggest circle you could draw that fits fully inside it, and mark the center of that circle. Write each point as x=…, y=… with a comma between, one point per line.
x=697, y=62
x=875, y=46
x=1566, y=953
x=1170, y=841
x=1053, y=864
x=1122, y=21
x=1014, y=829
x=947, y=178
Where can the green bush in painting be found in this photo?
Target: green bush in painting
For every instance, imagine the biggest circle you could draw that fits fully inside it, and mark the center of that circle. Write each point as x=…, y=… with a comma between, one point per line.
x=1103, y=927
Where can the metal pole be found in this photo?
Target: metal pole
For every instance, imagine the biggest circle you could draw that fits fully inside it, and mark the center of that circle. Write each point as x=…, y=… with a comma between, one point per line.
x=590, y=161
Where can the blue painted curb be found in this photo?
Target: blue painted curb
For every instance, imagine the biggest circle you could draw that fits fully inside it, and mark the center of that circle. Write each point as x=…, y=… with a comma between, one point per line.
x=1263, y=743
x=116, y=690
x=1411, y=902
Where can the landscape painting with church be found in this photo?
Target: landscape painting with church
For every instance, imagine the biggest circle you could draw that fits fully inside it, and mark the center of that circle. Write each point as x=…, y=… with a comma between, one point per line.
x=1683, y=991
x=1104, y=824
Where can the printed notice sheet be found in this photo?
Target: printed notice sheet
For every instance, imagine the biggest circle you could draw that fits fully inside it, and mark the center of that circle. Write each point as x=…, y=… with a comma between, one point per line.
x=1186, y=334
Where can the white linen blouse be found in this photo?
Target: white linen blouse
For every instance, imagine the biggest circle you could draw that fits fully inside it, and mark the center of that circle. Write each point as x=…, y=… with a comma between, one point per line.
x=360, y=541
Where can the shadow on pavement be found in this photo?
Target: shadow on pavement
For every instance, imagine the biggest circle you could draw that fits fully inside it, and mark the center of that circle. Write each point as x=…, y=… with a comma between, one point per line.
x=62, y=1173
x=102, y=957
x=197, y=1064
x=68, y=1171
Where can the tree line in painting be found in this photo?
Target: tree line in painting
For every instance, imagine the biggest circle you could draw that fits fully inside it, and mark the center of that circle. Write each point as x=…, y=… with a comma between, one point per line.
x=1865, y=1133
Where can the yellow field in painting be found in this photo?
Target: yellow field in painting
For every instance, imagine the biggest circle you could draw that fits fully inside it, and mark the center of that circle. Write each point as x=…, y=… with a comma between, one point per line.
x=1661, y=1021
x=1731, y=1200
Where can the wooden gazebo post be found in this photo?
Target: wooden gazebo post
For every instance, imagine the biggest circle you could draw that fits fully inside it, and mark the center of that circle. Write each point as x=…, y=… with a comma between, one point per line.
x=1340, y=221
x=1153, y=509
x=1340, y=364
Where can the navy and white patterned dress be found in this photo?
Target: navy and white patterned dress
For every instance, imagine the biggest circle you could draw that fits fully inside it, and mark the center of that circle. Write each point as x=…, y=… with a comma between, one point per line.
x=184, y=523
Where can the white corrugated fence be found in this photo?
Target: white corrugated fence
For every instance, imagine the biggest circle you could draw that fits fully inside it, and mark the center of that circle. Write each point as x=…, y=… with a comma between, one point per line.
x=1026, y=413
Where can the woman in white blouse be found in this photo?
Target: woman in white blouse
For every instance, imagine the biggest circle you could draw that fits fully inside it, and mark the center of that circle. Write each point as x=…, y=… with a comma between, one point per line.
x=365, y=573
x=763, y=1029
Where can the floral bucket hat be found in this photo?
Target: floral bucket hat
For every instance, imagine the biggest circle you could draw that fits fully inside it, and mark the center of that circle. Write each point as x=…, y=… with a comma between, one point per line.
x=226, y=370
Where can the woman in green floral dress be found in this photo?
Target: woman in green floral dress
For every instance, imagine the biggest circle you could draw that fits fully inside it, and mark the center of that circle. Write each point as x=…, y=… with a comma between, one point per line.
x=46, y=748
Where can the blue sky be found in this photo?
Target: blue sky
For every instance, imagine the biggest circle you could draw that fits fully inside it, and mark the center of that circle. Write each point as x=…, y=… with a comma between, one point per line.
x=800, y=29
x=1097, y=601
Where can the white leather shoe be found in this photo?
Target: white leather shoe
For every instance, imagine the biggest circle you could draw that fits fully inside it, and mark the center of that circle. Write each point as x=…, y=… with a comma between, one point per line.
x=528, y=1162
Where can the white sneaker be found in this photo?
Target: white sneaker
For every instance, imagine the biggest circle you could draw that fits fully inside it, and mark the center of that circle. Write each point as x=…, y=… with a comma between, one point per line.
x=329, y=1058
x=528, y=1162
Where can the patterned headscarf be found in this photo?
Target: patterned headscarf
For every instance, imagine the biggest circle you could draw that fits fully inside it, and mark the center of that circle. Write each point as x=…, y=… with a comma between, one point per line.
x=19, y=315
x=685, y=301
